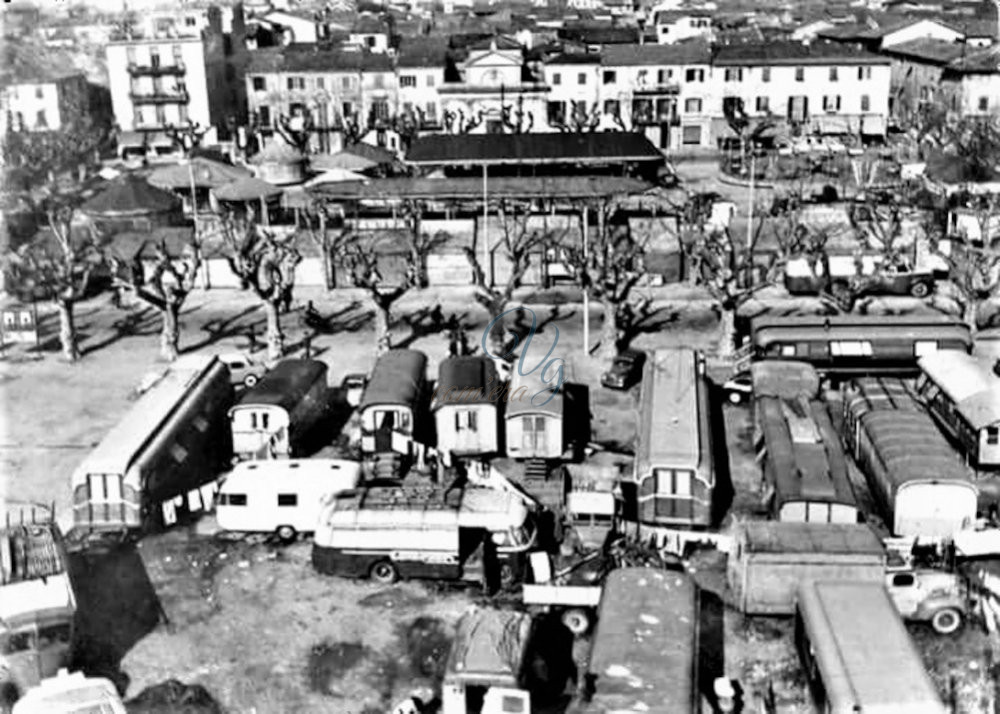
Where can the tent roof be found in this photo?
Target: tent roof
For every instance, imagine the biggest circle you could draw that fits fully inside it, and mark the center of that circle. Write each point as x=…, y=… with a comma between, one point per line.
x=130, y=195
x=207, y=174
x=246, y=189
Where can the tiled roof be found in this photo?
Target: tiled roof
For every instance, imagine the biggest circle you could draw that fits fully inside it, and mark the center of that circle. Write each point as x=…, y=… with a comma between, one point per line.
x=601, y=35
x=575, y=58
x=927, y=50
x=27, y=63
x=681, y=53
x=666, y=16
x=422, y=52
x=502, y=43
x=315, y=58
x=982, y=61
x=793, y=53
x=532, y=148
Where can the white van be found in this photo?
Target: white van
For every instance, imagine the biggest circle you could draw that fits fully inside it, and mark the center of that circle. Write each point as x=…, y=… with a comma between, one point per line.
x=281, y=496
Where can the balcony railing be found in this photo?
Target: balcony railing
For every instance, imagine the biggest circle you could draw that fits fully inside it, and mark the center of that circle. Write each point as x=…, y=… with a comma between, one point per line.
x=177, y=97
x=658, y=88
x=148, y=70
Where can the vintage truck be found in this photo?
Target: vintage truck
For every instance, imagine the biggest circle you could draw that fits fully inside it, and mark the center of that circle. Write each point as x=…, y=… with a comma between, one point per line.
x=855, y=275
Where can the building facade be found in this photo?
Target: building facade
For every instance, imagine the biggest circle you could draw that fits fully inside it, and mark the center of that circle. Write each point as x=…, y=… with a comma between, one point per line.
x=44, y=103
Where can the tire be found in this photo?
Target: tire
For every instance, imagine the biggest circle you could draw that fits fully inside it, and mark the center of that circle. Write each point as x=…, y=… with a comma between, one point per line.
x=506, y=575
x=920, y=290
x=250, y=381
x=735, y=397
x=946, y=621
x=286, y=534
x=384, y=572
x=576, y=621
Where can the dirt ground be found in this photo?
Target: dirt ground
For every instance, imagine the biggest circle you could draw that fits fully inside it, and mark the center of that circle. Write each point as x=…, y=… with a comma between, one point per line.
x=253, y=623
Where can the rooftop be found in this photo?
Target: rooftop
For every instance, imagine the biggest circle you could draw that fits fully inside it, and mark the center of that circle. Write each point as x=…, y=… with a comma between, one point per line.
x=681, y=53
x=982, y=61
x=570, y=187
x=928, y=50
x=794, y=53
x=422, y=52
x=545, y=148
x=304, y=57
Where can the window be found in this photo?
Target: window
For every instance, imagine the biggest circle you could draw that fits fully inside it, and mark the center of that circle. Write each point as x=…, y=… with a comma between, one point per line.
x=137, y=118
x=762, y=105
x=800, y=74
x=348, y=110
x=178, y=453
x=346, y=83
x=259, y=84
x=320, y=83
x=787, y=350
x=370, y=40
x=264, y=115
x=178, y=54
x=288, y=499
x=161, y=115
x=19, y=642
x=380, y=109
x=407, y=80
x=232, y=499
x=41, y=122
x=556, y=78
x=609, y=76
x=691, y=135
x=154, y=58
x=581, y=78
x=833, y=74
x=130, y=55
x=430, y=111
x=993, y=435
x=430, y=80
x=765, y=74
x=864, y=73
x=296, y=83
x=53, y=635
x=190, y=21
x=664, y=75
x=734, y=74
x=692, y=106
x=694, y=75
x=612, y=107
x=39, y=92
x=557, y=112
x=904, y=580
x=831, y=103
x=866, y=103
x=851, y=348
x=984, y=104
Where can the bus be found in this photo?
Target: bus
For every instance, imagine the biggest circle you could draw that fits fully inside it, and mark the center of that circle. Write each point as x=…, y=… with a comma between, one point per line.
x=845, y=345
x=392, y=403
x=645, y=648
x=856, y=652
x=674, y=478
x=803, y=465
x=916, y=478
x=963, y=394
x=162, y=458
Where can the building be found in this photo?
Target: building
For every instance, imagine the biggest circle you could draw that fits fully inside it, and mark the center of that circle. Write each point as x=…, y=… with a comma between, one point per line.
x=420, y=72
x=370, y=33
x=160, y=79
x=917, y=74
x=44, y=99
x=666, y=90
x=972, y=82
x=574, y=97
x=824, y=87
x=676, y=25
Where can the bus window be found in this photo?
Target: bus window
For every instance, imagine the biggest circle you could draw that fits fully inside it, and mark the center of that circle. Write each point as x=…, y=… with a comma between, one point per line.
x=924, y=347
x=288, y=499
x=851, y=348
x=19, y=642
x=53, y=635
x=232, y=499
x=787, y=350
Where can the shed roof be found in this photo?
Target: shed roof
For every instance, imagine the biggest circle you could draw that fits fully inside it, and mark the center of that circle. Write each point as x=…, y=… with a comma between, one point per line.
x=465, y=373
x=286, y=384
x=927, y=50
x=787, y=537
x=484, y=149
x=422, y=52
x=130, y=195
x=969, y=382
x=396, y=379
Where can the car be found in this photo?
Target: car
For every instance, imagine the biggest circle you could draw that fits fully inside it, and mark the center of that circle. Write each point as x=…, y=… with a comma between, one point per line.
x=243, y=369
x=738, y=388
x=353, y=387
x=625, y=370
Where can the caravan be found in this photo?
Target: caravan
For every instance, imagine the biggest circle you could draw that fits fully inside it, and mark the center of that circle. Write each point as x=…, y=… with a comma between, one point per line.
x=281, y=496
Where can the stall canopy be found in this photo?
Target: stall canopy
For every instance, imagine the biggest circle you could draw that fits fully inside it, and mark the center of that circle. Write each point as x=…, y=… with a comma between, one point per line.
x=335, y=176
x=207, y=174
x=131, y=195
x=247, y=188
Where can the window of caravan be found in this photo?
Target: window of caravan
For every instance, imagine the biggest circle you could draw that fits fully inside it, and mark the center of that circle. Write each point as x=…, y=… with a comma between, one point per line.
x=924, y=347
x=851, y=348
x=674, y=483
x=993, y=435
x=232, y=499
x=288, y=499
x=787, y=350
x=105, y=488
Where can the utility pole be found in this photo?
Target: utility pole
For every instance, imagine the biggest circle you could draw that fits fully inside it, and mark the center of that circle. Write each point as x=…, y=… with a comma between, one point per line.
x=586, y=288
x=487, y=268
x=749, y=255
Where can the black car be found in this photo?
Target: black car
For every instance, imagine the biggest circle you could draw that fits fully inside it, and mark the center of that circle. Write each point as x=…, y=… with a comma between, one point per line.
x=625, y=370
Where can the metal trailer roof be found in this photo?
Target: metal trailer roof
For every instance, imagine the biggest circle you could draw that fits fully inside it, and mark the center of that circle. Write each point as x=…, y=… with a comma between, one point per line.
x=397, y=378
x=910, y=448
x=473, y=378
x=669, y=422
x=832, y=538
x=489, y=648
x=863, y=650
x=285, y=385
x=969, y=382
x=645, y=651
x=784, y=378
x=847, y=327
x=536, y=391
x=871, y=394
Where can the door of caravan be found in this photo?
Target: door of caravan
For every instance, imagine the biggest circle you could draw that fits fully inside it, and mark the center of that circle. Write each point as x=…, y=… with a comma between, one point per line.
x=533, y=436
x=385, y=421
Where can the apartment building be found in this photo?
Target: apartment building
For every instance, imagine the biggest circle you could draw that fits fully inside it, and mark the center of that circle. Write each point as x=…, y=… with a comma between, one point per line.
x=420, y=70
x=822, y=87
x=917, y=75
x=972, y=83
x=574, y=97
x=43, y=99
x=162, y=78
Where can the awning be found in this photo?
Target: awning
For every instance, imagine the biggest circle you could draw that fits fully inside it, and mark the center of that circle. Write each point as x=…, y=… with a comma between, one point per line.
x=832, y=125
x=144, y=138
x=873, y=126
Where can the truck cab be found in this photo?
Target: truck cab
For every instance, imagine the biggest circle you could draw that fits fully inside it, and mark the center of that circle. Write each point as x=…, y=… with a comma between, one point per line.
x=933, y=596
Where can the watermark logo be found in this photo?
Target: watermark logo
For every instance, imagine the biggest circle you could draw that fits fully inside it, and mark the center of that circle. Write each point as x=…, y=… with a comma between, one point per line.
x=553, y=369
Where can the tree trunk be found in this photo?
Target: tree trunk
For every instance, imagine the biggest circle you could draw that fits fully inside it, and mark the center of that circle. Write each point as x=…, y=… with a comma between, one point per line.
x=382, y=335
x=609, y=330
x=170, y=333
x=327, y=267
x=275, y=337
x=67, y=332
x=970, y=314
x=727, y=333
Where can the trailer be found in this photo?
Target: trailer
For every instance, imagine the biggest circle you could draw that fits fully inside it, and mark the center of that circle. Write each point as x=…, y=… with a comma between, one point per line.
x=162, y=458
x=37, y=602
x=771, y=559
x=272, y=419
x=392, y=406
x=574, y=591
x=466, y=418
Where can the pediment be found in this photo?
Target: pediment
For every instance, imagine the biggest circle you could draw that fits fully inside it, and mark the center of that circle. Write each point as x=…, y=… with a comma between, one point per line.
x=495, y=59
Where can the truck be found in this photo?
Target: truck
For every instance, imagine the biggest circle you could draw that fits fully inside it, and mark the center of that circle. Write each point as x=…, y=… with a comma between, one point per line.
x=425, y=531
x=37, y=602
x=856, y=275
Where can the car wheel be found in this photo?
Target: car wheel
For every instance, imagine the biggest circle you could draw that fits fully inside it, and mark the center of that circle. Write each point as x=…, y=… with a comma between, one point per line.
x=735, y=397
x=384, y=572
x=250, y=380
x=920, y=290
x=286, y=534
x=946, y=620
x=576, y=621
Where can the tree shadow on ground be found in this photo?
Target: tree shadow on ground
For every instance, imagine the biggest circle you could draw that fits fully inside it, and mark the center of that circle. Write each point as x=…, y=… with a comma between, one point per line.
x=647, y=320
x=346, y=319
x=135, y=322
x=225, y=328
x=429, y=321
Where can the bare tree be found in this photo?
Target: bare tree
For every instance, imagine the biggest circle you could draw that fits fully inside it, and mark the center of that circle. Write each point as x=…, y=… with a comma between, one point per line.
x=517, y=243
x=581, y=119
x=170, y=281
x=515, y=119
x=265, y=264
x=457, y=122
x=361, y=258
x=328, y=240
x=419, y=243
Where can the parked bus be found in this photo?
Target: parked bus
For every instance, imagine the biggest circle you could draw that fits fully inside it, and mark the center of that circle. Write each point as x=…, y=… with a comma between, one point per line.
x=803, y=466
x=674, y=478
x=535, y=419
x=844, y=345
x=467, y=419
x=162, y=458
x=392, y=403
x=281, y=496
x=645, y=648
x=388, y=532
x=963, y=394
x=856, y=652
x=916, y=478
x=273, y=418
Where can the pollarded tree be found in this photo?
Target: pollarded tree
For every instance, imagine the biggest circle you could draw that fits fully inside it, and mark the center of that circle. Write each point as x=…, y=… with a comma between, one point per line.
x=265, y=264
x=171, y=279
x=329, y=241
x=419, y=243
x=517, y=243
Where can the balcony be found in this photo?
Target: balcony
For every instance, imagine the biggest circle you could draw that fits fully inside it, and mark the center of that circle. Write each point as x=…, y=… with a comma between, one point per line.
x=146, y=70
x=161, y=97
x=671, y=88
